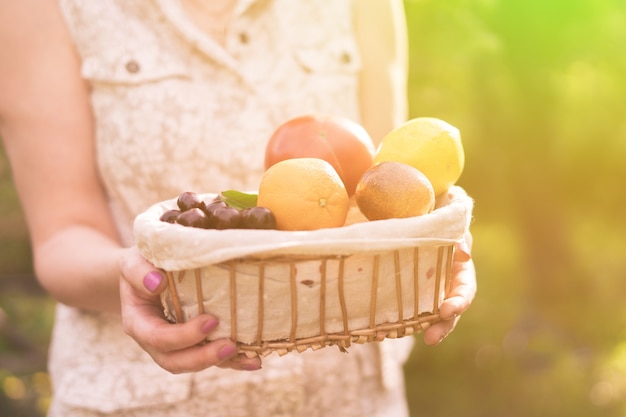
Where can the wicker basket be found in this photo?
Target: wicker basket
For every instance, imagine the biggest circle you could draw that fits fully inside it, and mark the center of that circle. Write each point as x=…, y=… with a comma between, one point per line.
x=280, y=292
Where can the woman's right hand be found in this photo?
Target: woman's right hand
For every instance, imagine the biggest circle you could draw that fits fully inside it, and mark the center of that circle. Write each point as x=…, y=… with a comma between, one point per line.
x=179, y=347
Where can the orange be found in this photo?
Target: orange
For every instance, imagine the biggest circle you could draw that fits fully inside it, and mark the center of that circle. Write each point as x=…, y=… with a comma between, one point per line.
x=394, y=190
x=304, y=194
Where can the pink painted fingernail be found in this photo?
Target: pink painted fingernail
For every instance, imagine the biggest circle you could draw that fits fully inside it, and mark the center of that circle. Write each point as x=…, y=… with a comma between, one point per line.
x=226, y=352
x=209, y=325
x=152, y=280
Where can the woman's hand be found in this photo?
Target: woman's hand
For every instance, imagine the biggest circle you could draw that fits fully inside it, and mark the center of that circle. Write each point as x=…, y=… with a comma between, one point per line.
x=462, y=291
x=175, y=347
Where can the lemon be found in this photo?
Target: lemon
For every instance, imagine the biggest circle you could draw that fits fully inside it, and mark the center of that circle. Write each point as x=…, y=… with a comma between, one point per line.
x=429, y=144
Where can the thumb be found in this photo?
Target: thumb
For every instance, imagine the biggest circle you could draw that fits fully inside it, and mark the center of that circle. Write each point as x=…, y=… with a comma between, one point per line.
x=141, y=274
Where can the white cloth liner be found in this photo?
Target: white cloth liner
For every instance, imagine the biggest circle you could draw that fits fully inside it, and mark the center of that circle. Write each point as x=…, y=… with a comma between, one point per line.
x=174, y=247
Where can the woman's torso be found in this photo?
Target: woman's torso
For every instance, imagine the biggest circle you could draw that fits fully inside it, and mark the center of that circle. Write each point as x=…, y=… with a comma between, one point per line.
x=175, y=111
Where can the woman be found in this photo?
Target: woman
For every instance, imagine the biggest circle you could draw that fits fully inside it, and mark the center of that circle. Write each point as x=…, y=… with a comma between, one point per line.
x=108, y=107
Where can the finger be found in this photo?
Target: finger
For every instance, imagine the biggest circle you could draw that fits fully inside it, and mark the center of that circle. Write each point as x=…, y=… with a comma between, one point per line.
x=145, y=323
x=436, y=333
x=196, y=358
x=166, y=337
x=462, y=290
x=242, y=363
x=141, y=274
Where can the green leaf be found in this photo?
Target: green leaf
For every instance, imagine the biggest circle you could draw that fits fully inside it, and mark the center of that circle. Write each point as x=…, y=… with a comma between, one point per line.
x=238, y=199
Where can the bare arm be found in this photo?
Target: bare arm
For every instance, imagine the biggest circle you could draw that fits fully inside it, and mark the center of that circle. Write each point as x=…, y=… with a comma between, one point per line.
x=382, y=37
x=47, y=129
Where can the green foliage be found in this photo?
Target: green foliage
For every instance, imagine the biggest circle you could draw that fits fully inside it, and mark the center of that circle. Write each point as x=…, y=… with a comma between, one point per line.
x=537, y=90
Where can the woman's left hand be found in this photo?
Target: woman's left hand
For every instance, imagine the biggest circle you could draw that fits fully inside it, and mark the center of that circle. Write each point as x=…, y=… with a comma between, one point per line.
x=462, y=291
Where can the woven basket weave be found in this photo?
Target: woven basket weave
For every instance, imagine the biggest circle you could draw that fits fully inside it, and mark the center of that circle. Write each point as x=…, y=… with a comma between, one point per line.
x=276, y=291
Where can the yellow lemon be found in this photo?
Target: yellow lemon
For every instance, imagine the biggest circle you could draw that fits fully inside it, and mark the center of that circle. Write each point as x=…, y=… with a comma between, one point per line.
x=429, y=144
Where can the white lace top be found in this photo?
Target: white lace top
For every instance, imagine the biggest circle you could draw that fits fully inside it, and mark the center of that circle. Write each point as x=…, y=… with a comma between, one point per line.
x=175, y=111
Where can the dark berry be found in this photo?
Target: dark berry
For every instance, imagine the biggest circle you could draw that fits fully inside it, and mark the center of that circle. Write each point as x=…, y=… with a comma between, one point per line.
x=258, y=218
x=170, y=216
x=193, y=217
x=226, y=218
x=189, y=200
x=211, y=208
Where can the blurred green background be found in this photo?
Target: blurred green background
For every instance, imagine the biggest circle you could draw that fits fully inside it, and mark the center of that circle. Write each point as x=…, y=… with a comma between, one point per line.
x=538, y=90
